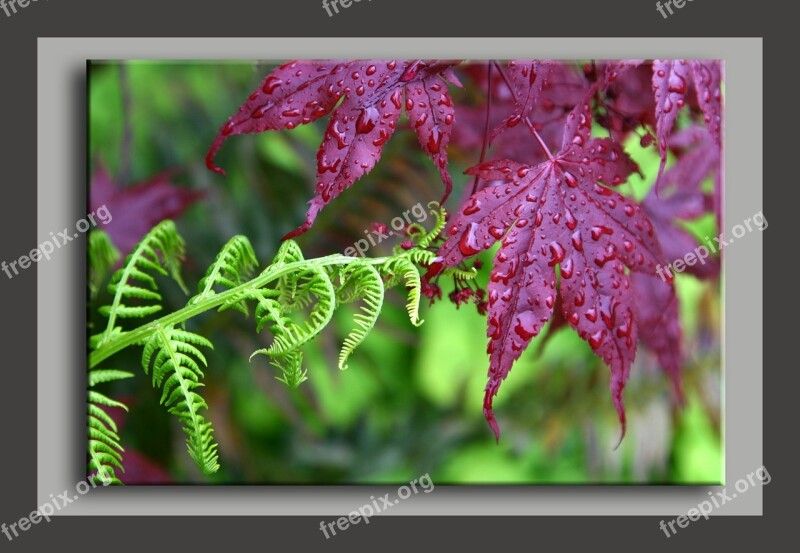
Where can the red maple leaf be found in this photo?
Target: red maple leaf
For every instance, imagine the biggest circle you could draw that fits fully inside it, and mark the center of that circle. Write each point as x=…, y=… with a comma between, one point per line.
x=562, y=88
x=681, y=197
x=671, y=80
x=526, y=79
x=629, y=101
x=656, y=313
x=137, y=208
x=373, y=94
x=562, y=212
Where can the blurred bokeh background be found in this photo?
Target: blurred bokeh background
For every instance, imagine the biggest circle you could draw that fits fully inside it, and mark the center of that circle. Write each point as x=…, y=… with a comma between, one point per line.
x=411, y=401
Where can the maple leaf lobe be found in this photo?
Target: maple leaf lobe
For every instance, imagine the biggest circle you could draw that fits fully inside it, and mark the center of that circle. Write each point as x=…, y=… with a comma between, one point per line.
x=364, y=99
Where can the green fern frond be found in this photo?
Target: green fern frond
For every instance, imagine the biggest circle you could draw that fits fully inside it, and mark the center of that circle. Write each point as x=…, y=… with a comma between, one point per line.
x=289, y=335
x=174, y=355
x=439, y=215
x=402, y=267
x=269, y=312
x=420, y=257
x=291, y=367
x=309, y=288
x=160, y=251
x=101, y=376
x=233, y=266
x=102, y=257
x=295, y=293
x=289, y=252
x=104, y=450
x=461, y=274
x=366, y=283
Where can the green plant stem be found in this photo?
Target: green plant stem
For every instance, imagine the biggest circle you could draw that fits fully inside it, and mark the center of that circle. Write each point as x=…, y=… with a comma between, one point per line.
x=137, y=335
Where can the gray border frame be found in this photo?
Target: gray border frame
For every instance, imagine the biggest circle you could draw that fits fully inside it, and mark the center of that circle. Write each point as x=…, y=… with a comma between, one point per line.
x=743, y=346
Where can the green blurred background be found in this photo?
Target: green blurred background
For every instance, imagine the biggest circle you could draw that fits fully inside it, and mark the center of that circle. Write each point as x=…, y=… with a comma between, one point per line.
x=411, y=401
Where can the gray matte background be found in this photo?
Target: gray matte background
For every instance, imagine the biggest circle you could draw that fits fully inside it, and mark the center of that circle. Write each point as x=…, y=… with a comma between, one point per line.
x=772, y=19
x=61, y=186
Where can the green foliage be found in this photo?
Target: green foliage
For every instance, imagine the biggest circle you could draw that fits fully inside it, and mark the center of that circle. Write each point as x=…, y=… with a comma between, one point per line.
x=233, y=266
x=174, y=356
x=135, y=296
x=105, y=451
x=362, y=281
x=294, y=298
x=102, y=257
x=403, y=268
x=424, y=238
x=161, y=252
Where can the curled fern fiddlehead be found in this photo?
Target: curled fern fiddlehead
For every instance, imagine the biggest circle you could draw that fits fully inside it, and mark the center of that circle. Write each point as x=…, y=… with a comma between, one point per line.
x=294, y=288
x=361, y=281
x=289, y=363
x=425, y=238
x=403, y=268
x=321, y=288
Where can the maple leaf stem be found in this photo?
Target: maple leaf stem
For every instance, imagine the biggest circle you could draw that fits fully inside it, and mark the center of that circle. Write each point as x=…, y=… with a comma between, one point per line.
x=526, y=118
x=485, y=126
x=539, y=138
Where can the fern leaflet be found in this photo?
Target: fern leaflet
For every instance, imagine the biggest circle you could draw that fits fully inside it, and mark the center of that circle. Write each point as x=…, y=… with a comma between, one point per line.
x=402, y=267
x=160, y=251
x=366, y=283
x=232, y=267
x=174, y=355
x=102, y=257
x=105, y=451
x=291, y=335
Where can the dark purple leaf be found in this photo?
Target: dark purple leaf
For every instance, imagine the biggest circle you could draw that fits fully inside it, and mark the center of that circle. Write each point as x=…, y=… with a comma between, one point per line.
x=527, y=79
x=659, y=324
x=681, y=197
x=137, y=208
x=141, y=470
x=671, y=79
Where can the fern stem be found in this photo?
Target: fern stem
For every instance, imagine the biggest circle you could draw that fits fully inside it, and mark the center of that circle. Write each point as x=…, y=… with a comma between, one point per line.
x=138, y=335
